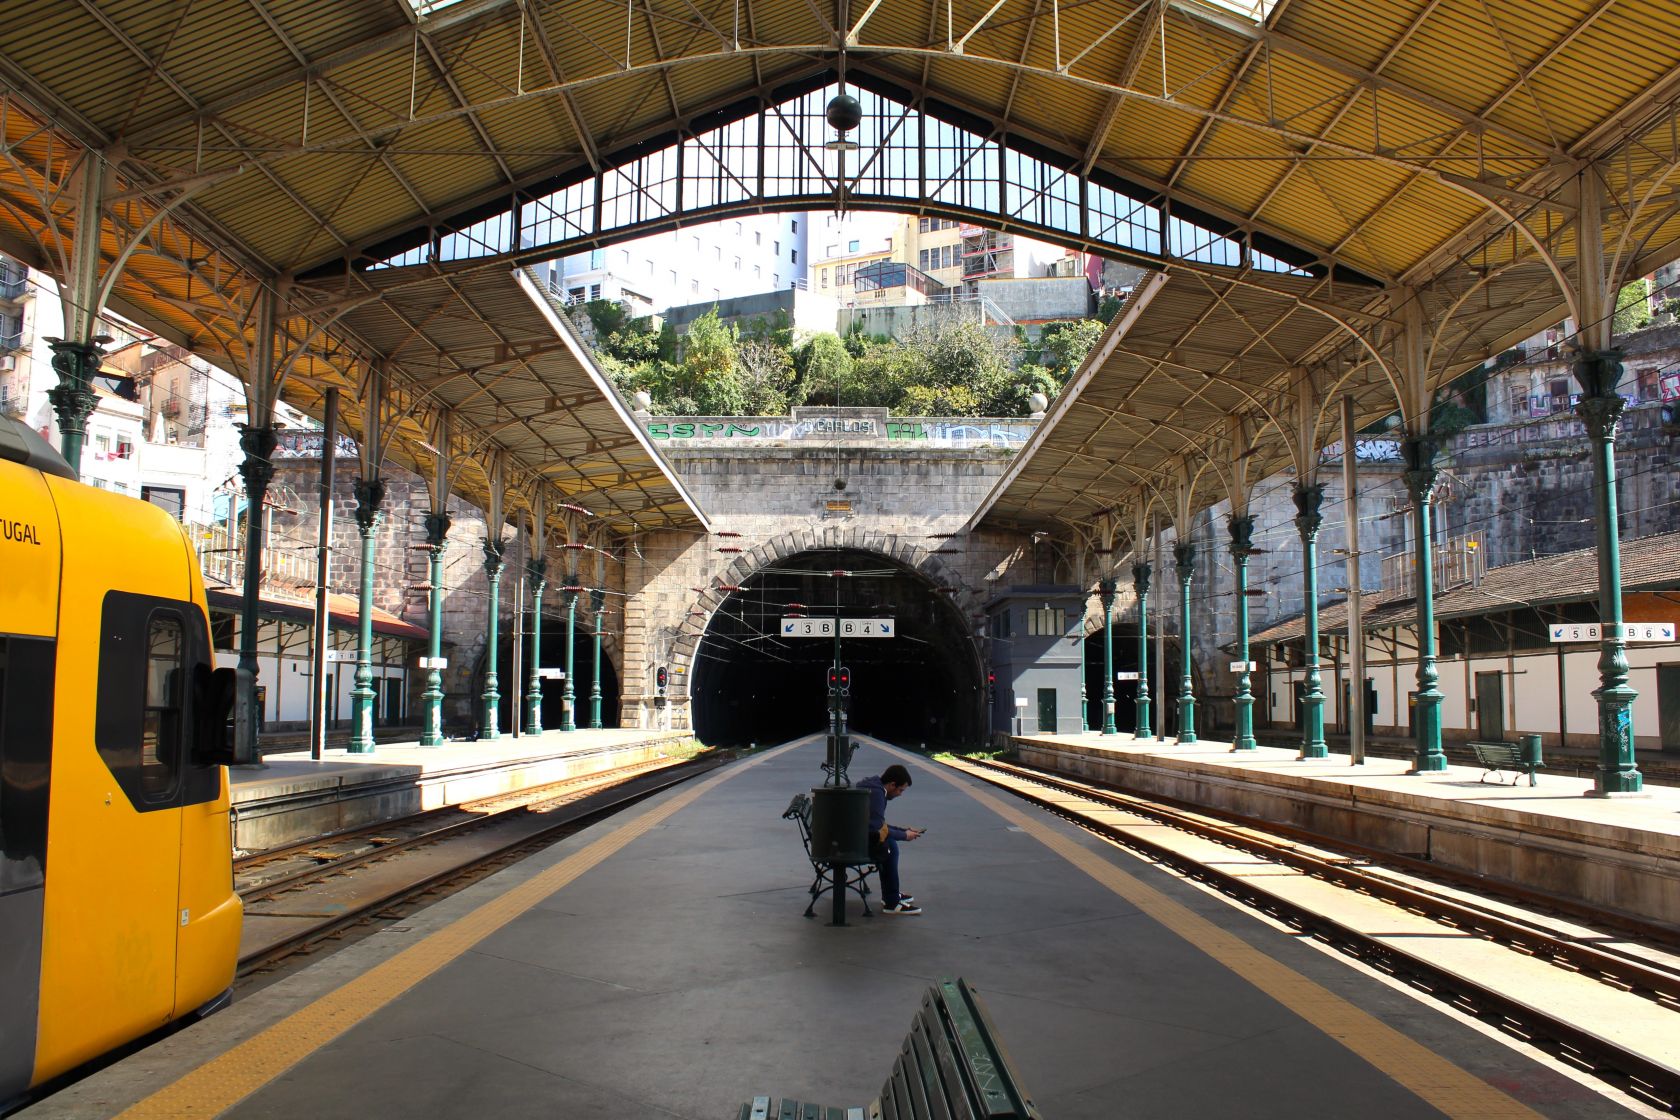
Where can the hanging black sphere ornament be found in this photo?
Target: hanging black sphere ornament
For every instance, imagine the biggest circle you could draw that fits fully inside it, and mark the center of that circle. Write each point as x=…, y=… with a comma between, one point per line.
x=844, y=112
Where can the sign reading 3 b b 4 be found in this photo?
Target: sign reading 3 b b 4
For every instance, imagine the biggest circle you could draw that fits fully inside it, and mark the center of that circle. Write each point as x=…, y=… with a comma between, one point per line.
x=866, y=627
x=849, y=627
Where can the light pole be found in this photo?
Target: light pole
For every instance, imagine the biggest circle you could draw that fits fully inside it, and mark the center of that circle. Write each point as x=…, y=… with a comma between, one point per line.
x=1105, y=590
x=598, y=602
x=1242, y=546
x=1184, y=556
x=1140, y=584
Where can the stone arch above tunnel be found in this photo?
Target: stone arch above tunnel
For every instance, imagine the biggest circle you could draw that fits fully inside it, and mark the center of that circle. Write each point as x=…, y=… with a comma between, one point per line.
x=744, y=684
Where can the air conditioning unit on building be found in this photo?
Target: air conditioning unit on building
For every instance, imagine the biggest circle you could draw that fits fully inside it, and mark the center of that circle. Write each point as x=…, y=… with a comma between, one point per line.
x=8, y=362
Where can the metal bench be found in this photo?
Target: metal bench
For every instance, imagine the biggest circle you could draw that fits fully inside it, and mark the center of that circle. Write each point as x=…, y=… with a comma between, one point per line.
x=951, y=1065
x=1509, y=758
x=856, y=875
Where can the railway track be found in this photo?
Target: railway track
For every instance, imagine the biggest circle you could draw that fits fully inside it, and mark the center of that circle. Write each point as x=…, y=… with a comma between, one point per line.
x=1623, y=953
x=296, y=897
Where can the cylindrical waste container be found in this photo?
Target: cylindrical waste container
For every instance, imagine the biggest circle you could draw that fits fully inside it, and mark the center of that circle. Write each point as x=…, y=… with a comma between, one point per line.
x=840, y=824
x=1531, y=751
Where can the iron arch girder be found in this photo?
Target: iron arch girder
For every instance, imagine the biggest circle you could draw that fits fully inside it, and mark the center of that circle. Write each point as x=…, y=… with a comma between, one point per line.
x=928, y=158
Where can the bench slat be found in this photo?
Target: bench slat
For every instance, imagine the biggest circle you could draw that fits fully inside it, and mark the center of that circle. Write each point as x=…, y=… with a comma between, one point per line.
x=946, y=1061
x=932, y=1085
x=976, y=1056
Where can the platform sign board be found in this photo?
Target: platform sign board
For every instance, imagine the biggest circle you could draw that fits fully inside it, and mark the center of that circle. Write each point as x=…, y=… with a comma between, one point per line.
x=1593, y=631
x=807, y=628
x=867, y=627
x=434, y=662
x=340, y=655
x=1125, y=675
x=1242, y=666
x=551, y=674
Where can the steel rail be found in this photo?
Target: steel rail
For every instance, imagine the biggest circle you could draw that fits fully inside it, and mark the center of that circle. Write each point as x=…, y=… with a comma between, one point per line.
x=592, y=809
x=1631, y=1071
x=514, y=802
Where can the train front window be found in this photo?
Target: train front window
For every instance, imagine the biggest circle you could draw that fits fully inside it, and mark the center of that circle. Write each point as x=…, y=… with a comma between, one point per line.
x=160, y=733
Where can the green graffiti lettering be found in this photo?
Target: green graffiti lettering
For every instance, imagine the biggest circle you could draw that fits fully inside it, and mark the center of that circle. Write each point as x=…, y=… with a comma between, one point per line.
x=660, y=430
x=737, y=430
x=707, y=431
x=682, y=431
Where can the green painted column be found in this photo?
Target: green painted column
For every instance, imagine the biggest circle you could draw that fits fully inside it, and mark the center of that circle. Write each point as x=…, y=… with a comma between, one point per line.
x=538, y=570
x=257, y=468
x=1600, y=409
x=73, y=399
x=490, y=723
x=1242, y=546
x=1105, y=591
x=1308, y=500
x=1184, y=557
x=1084, y=692
x=370, y=495
x=597, y=604
x=431, y=700
x=1140, y=584
x=569, y=593
x=1420, y=478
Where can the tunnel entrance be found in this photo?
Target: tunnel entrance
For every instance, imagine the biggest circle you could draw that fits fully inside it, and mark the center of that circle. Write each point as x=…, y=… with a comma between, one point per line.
x=554, y=657
x=1125, y=692
x=750, y=684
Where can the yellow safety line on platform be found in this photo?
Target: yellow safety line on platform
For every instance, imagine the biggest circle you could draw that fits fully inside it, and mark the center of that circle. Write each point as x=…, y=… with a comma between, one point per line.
x=1447, y=1087
x=227, y=1079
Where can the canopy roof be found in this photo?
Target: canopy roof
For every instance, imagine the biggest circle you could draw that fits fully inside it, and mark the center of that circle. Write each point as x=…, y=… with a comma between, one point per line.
x=1424, y=147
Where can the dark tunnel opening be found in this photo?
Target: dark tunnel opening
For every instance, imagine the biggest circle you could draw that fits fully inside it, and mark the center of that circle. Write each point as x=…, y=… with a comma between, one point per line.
x=1163, y=686
x=553, y=689
x=923, y=685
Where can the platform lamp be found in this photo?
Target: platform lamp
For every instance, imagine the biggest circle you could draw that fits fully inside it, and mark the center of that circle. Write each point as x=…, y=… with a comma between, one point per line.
x=844, y=114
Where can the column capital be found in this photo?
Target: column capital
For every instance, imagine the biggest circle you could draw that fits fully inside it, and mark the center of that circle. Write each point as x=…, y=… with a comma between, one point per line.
x=537, y=569
x=257, y=468
x=1242, y=535
x=73, y=399
x=370, y=495
x=1184, y=558
x=1106, y=588
x=1420, y=474
x=1140, y=577
x=1308, y=500
x=597, y=599
x=494, y=549
x=1601, y=415
x=437, y=528
x=1599, y=372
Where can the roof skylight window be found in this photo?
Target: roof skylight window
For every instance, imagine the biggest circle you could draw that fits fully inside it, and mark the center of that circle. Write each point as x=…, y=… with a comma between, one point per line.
x=1256, y=10
x=424, y=8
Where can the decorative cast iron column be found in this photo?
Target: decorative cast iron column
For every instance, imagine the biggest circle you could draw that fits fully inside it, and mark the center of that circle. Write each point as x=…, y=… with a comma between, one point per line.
x=431, y=733
x=1242, y=545
x=1140, y=584
x=490, y=725
x=1084, y=692
x=538, y=570
x=370, y=495
x=1184, y=556
x=73, y=399
x=1420, y=478
x=1105, y=591
x=1600, y=409
x=598, y=604
x=569, y=594
x=1308, y=499
x=257, y=468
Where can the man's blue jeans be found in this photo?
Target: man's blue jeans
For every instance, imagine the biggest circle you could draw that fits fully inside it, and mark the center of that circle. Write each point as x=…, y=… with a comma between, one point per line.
x=885, y=856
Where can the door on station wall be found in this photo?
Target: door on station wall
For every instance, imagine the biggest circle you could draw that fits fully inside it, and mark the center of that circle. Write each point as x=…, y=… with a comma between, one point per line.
x=1668, y=706
x=1046, y=711
x=393, y=700
x=1490, y=705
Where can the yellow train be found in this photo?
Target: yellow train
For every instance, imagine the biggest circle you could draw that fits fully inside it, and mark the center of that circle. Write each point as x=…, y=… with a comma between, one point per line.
x=117, y=908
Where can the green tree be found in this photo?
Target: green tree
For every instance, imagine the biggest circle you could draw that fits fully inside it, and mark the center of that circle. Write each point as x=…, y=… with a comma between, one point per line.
x=1633, y=310
x=825, y=368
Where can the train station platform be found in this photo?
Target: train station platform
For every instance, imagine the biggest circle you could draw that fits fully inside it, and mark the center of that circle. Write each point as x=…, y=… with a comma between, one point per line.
x=292, y=798
x=657, y=964
x=1619, y=853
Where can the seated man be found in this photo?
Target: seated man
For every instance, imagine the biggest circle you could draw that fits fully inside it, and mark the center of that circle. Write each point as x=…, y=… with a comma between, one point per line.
x=884, y=837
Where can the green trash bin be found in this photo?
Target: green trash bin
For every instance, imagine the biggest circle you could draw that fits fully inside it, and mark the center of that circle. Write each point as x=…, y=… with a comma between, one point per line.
x=840, y=825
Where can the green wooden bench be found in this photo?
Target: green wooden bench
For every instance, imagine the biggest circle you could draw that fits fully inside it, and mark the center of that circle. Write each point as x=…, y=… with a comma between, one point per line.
x=1501, y=757
x=856, y=875
x=951, y=1065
